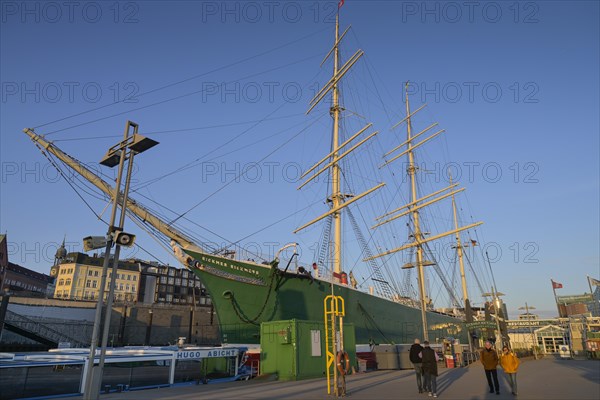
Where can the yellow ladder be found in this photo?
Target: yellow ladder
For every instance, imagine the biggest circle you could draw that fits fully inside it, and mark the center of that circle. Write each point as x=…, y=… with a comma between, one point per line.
x=334, y=312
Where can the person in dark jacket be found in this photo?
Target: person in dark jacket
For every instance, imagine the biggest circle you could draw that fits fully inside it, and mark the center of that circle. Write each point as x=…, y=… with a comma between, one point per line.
x=489, y=359
x=415, y=359
x=430, y=359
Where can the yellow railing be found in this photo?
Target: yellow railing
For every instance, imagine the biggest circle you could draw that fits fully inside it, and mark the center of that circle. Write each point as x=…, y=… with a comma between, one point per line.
x=334, y=312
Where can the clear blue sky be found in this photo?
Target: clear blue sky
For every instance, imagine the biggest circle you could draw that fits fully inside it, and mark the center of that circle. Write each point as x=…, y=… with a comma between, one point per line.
x=515, y=85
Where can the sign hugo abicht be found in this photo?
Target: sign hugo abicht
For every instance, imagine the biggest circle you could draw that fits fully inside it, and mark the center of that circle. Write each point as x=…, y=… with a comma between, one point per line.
x=198, y=354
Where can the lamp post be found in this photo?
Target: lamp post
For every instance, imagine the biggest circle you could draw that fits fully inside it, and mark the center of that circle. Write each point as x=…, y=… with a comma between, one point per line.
x=533, y=338
x=116, y=155
x=148, y=328
x=496, y=298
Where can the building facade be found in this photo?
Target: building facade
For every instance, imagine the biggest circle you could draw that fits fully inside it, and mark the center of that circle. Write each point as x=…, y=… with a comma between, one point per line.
x=549, y=335
x=17, y=279
x=23, y=281
x=79, y=277
x=165, y=284
x=3, y=260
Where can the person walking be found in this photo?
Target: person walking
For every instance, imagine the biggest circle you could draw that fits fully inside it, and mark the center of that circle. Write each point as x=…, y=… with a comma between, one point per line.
x=510, y=364
x=430, y=359
x=417, y=363
x=489, y=359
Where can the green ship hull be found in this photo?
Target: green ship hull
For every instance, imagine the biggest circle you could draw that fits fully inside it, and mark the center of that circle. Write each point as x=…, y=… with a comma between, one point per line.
x=245, y=294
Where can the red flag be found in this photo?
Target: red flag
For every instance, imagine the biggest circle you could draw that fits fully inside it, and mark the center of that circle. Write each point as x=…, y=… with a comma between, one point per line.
x=341, y=3
x=556, y=285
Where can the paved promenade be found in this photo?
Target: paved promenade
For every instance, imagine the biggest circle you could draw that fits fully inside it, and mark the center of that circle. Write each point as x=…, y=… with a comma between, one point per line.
x=545, y=379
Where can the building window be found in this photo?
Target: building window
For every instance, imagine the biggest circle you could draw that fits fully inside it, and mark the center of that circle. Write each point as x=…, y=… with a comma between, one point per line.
x=90, y=272
x=68, y=281
x=88, y=284
x=171, y=280
x=94, y=284
x=128, y=277
x=135, y=278
x=121, y=286
x=127, y=288
x=169, y=298
x=178, y=282
x=95, y=273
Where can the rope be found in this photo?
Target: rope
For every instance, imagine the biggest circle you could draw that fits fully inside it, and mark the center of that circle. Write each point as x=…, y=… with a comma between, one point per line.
x=369, y=319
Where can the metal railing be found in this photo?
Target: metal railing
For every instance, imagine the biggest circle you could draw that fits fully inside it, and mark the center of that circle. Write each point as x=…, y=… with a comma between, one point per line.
x=469, y=357
x=40, y=329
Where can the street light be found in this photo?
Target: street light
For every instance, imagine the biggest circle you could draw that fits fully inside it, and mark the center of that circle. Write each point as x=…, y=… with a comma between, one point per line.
x=533, y=338
x=496, y=297
x=116, y=155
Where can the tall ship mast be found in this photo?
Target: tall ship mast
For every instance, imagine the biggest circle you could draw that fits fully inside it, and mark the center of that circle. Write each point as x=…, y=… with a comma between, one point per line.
x=413, y=209
x=331, y=162
x=246, y=293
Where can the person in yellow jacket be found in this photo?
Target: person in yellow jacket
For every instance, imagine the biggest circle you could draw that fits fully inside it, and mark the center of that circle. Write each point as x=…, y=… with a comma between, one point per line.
x=510, y=364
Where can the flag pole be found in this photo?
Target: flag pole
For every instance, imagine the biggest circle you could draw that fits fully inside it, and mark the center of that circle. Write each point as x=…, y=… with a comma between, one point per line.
x=555, y=298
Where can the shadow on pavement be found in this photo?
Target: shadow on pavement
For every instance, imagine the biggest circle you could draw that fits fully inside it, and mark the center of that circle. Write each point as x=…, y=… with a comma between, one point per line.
x=588, y=369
